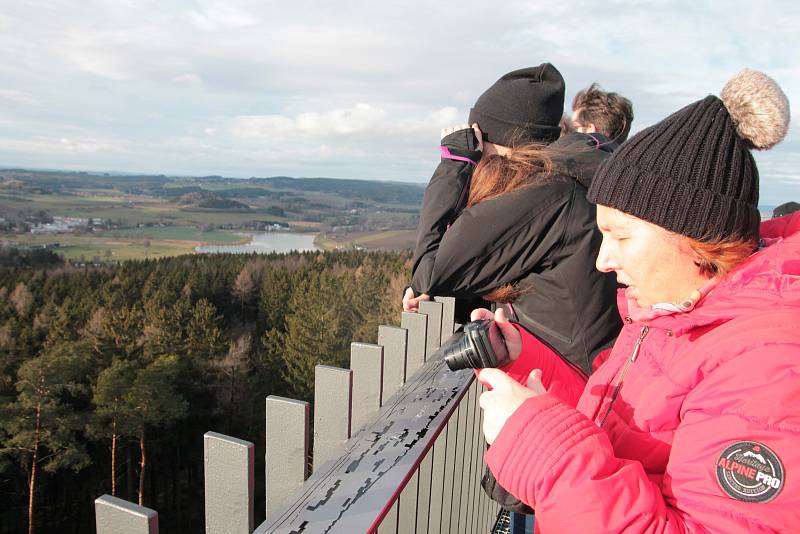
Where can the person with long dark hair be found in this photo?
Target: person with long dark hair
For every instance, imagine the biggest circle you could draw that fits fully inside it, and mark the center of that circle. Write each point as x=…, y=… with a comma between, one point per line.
x=505, y=219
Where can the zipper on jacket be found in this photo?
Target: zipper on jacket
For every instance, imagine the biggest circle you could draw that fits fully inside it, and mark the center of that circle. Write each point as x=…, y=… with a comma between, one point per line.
x=628, y=362
x=461, y=204
x=575, y=367
x=547, y=330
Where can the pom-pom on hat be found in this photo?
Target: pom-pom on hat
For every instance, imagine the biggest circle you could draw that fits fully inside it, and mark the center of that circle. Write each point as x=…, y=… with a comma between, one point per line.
x=523, y=106
x=693, y=173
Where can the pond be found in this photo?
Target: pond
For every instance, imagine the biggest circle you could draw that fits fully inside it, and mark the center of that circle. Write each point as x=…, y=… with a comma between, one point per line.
x=264, y=243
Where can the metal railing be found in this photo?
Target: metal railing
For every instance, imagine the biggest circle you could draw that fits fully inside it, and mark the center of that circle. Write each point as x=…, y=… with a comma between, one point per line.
x=397, y=444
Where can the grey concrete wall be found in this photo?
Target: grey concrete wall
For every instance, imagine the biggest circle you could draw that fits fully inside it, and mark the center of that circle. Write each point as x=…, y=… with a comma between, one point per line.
x=394, y=341
x=117, y=516
x=434, y=336
x=448, y=316
x=333, y=391
x=286, y=454
x=229, y=484
x=366, y=362
x=417, y=326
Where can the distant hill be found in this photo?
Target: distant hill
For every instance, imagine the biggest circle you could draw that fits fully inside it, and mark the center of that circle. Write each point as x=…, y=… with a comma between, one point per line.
x=210, y=201
x=357, y=189
x=61, y=182
x=28, y=197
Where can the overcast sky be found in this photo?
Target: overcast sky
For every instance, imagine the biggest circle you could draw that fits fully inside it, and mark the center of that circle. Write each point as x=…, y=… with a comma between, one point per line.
x=349, y=89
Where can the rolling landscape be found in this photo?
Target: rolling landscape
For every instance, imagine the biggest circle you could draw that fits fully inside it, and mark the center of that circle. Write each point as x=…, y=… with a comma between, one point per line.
x=210, y=334
x=99, y=217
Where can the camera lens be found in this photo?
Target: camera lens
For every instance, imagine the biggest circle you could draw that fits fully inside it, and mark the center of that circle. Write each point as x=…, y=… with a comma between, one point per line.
x=459, y=354
x=472, y=350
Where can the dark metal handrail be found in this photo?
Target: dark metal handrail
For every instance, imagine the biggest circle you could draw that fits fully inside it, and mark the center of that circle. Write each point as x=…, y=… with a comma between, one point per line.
x=355, y=492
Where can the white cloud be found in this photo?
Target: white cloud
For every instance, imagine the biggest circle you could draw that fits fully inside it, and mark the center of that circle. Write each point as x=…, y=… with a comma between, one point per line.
x=190, y=79
x=447, y=116
x=119, y=55
x=345, y=138
x=18, y=97
x=60, y=146
x=220, y=16
x=359, y=119
x=360, y=89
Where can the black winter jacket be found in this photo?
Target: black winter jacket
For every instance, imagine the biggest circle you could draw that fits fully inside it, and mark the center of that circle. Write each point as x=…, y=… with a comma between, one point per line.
x=542, y=238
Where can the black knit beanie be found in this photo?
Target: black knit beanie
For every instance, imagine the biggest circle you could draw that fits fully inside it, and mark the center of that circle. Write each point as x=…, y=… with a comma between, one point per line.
x=693, y=173
x=521, y=107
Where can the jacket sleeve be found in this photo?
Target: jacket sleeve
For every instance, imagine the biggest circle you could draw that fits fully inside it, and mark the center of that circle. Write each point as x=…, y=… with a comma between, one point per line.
x=557, y=376
x=498, y=241
x=560, y=463
x=444, y=196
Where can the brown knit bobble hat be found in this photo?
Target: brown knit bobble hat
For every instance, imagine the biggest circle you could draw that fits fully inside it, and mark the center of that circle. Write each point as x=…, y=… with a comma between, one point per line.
x=693, y=173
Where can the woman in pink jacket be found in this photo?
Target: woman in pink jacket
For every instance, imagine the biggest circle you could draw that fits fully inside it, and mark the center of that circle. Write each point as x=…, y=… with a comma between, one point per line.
x=692, y=422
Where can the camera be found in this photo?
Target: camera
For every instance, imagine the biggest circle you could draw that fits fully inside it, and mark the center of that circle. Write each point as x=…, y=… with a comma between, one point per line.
x=474, y=349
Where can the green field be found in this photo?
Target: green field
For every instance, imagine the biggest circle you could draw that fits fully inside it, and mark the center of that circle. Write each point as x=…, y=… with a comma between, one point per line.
x=123, y=252
x=384, y=240
x=128, y=211
x=121, y=245
x=179, y=233
x=155, y=216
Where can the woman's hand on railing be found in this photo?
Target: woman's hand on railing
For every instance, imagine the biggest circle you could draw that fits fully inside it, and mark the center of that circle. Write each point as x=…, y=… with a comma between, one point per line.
x=505, y=397
x=411, y=301
x=511, y=338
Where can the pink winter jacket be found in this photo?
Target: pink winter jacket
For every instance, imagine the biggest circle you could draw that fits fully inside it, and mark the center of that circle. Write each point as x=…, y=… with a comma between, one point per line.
x=703, y=434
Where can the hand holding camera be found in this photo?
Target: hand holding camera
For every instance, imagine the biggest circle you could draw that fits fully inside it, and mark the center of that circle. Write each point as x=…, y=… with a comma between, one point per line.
x=490, y=340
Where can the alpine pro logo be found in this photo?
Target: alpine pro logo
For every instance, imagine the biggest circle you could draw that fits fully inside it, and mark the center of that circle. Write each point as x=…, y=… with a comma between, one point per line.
x=749, y=471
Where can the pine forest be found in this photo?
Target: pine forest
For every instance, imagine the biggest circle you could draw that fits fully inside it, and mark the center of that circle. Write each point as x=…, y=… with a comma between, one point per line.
x=110, y=375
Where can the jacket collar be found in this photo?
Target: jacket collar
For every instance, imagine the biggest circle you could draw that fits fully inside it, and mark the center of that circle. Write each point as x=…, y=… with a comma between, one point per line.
x=767, y=280
x=578, y=155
